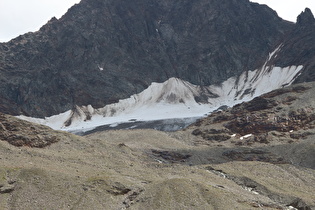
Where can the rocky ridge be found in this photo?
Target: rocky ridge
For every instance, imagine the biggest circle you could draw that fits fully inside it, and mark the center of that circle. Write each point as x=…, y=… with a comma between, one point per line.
x=298, y=47
x=103, y=51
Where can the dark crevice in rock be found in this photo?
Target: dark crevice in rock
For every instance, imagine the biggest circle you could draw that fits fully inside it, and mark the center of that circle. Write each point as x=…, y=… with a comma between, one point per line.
x=171, y=156
x=247, y=154
x=132, y=197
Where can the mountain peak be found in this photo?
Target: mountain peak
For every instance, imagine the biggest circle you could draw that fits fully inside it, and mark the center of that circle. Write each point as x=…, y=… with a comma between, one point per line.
x=306, y=17
x=123, y=46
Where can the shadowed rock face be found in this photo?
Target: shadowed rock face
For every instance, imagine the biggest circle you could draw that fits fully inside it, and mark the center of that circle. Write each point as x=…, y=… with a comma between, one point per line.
x=298, y=47
x=102, y=51
x=306, y=18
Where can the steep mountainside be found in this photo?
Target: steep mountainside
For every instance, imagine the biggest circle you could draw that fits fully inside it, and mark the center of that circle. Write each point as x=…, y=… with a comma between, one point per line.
x=297, y=48
x=104, y=50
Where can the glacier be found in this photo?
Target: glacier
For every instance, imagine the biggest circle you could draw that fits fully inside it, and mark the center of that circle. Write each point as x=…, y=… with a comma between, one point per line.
x=175, y=99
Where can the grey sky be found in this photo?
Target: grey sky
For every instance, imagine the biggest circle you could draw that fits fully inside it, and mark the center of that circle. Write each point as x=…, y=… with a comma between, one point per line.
x=21, y=16
x=288, y=9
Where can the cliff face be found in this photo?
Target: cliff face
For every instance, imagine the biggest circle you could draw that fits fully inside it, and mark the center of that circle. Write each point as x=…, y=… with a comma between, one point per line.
x=298, y=47
x=102, y=51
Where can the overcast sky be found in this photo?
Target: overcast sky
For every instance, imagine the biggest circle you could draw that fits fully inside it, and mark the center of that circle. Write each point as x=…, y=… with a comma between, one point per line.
x=21, y=16
x=288, y=9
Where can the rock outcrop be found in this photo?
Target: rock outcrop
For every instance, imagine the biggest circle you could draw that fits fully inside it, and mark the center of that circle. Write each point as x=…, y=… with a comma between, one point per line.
x=306, y=18
x=277, y=127
x=22, y=133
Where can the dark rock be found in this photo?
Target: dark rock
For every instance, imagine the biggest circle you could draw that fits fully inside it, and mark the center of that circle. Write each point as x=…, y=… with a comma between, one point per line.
x=306, y=18
x=171, y=155
x=6, y=188
x=217, y=131
x=218, y=137
x=221, y=118
x=118, y=189
x=197, y=132
x=247, y=182
x=132, y=197
x=298, y=47
x=253, y=155
x=259, y=103
x=300, y=135
x=209, y=168
x=103, y=51
x=299, y=204
x=275, y=93
x=244, y=122
x=213, y=134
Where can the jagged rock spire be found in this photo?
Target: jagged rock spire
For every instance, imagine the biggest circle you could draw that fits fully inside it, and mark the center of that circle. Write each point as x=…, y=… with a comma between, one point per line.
x=306, y=18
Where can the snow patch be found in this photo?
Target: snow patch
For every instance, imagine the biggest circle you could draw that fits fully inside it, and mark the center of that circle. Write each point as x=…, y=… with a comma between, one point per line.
x=274, y=53
x=251, y=190
x=100, y=68
x=246, y=136
x=291, y=208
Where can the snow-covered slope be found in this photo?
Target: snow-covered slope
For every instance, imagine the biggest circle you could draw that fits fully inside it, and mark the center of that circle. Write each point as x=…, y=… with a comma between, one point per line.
x=176, y=98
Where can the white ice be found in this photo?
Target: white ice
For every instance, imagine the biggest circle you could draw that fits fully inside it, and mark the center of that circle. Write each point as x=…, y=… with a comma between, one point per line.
x=176, y=98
